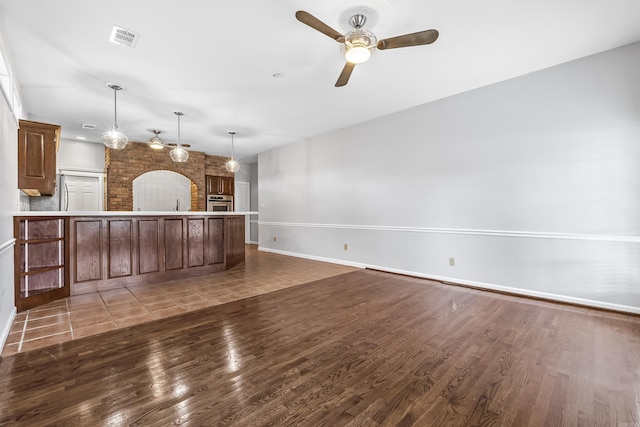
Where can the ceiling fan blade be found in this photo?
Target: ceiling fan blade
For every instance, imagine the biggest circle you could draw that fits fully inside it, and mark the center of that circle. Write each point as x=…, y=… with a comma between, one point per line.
x=413, y=39
x=345, y=74
x=316, y=24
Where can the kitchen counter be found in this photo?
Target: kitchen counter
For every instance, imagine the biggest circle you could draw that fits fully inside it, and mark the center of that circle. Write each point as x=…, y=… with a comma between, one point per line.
x=70, y=253
x=127, y=213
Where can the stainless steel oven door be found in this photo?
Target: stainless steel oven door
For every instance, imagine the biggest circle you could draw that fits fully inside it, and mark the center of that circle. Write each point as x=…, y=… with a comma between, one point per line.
x=219, y=203
x=218, y=207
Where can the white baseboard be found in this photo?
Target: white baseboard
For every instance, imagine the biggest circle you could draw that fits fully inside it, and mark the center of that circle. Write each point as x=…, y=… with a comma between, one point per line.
x=517, y=291
x=470, y=283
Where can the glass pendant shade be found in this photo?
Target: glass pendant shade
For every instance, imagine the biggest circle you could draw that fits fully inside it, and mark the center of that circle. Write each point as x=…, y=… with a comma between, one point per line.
x=114, y=138
x=232, y=164
x=179, y=154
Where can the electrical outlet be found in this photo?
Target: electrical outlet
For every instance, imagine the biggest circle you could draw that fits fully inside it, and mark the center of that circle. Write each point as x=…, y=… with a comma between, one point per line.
x=346, y=246
x=274, y=238
x=452, y=262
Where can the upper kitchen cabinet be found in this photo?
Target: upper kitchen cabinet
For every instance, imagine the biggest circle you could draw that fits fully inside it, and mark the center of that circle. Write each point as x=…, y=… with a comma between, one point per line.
x=220, y=185
x=37, y=147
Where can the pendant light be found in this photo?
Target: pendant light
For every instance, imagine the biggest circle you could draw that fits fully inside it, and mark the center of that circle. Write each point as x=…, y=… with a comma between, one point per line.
x=232, y=164
x=114, y=138
x=179, y=154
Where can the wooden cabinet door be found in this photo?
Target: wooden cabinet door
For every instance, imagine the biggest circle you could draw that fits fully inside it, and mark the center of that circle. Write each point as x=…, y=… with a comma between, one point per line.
x=214, y=185
x=226, y=184
x=211, y=185
x=37, y=146
x=219, y=185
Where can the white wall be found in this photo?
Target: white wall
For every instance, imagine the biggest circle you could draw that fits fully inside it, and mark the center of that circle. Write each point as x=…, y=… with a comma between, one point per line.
x=80, y=155
x=9, y=202
x=532, y=185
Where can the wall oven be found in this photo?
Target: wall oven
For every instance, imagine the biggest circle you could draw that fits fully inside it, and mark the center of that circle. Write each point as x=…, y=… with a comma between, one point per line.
x=219, y=203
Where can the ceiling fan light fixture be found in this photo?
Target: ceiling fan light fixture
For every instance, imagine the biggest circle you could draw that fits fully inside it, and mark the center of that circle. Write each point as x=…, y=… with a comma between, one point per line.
x=114, y=138
x=359, y=45
x=156, y=143
x=357, y=54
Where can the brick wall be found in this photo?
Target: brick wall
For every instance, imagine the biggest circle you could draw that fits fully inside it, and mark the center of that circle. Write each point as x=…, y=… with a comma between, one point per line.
x=123, y=166
x=214, y=165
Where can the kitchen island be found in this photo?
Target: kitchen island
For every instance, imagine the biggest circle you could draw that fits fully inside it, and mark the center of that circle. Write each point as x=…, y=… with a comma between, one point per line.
x=69, y=253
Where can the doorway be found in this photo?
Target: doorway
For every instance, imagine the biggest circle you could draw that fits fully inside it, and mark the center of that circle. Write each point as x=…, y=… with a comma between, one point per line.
x=242, y=204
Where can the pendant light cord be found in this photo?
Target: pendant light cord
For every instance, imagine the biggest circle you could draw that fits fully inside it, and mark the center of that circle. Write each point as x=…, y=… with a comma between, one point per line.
x=233, y=157
x=115, y=108
x=179, y=130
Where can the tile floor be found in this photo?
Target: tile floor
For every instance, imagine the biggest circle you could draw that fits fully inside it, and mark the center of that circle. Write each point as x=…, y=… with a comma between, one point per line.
x=89, y=314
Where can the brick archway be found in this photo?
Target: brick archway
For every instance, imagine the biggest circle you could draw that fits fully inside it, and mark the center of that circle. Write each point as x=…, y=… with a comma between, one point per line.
x=123, y=166
x=193, y=188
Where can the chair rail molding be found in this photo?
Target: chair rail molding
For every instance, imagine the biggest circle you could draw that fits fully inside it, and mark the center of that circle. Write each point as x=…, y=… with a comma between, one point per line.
x=465, y=231
x=7, y=245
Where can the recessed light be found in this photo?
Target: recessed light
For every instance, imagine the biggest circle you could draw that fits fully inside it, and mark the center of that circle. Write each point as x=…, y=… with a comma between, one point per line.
x=88, y=126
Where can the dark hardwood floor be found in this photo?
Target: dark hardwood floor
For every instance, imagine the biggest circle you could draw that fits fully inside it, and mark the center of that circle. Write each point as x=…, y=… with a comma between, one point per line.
x=363, y=348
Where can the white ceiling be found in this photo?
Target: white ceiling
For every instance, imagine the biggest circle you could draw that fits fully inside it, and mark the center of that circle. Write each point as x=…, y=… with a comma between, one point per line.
x=215, y=61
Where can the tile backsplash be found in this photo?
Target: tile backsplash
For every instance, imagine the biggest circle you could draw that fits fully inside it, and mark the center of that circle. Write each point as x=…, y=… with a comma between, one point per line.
x=161, y=191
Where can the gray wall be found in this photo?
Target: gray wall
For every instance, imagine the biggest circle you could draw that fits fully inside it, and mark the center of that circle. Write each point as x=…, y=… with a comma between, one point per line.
x=249, y=173
x=531, y=184
x=253, y=219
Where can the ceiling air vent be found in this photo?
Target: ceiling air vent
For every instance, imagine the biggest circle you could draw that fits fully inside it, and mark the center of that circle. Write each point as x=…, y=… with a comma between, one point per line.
x=124, y=37
x=88, y=126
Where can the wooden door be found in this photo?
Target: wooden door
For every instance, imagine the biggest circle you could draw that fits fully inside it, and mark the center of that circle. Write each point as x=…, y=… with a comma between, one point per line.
x=241, y=203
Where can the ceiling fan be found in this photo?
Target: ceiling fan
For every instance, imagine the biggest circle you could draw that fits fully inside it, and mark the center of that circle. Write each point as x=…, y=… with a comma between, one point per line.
x=158, y=144
x=358, y=44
